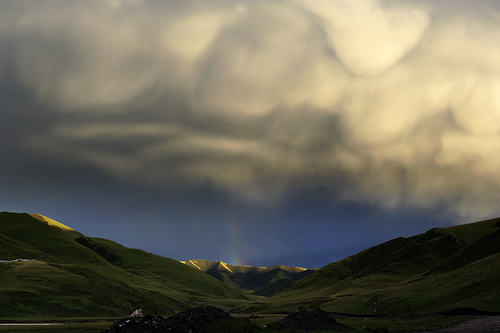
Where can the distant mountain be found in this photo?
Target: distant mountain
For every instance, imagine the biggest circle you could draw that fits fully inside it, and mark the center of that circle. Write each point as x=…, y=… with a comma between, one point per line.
x=48, y=269
x=438, y=271
x=263, y=281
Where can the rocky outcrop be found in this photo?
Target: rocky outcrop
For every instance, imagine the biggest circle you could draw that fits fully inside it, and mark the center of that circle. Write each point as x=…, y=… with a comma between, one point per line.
x=137, y=313
x=307, y=321
x=198, y=319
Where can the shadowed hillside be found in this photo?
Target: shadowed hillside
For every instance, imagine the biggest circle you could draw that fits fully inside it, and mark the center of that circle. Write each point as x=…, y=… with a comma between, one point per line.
x=440, y=270
x=50, y=270
x=74, y=275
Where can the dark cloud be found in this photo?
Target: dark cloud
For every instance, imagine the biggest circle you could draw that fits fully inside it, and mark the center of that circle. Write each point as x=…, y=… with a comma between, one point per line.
x=386, y=103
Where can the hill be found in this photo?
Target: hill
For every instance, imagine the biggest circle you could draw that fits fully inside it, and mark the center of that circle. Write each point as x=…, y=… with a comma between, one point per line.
x=50, y=270
x=438, y=271
x=263, y=281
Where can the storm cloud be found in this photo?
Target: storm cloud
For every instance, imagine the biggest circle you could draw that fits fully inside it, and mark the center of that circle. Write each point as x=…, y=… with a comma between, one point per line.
x=390, y=103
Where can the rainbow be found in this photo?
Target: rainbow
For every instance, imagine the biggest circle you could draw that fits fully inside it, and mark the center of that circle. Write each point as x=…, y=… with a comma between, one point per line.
x=236, y=240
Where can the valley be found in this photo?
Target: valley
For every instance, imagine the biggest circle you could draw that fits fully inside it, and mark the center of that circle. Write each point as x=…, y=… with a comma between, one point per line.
x=49, y=271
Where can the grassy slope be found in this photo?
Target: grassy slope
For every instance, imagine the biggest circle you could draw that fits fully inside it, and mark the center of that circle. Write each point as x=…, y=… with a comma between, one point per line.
x=439, y=270
x=69, y=279
x=253, y=282
x=141, y=263
x=436, y=271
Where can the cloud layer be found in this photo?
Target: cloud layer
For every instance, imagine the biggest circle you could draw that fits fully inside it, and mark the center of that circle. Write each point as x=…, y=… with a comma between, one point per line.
x=391, y=103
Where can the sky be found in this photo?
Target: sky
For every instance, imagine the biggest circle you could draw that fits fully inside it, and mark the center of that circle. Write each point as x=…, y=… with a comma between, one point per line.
x=256, y=132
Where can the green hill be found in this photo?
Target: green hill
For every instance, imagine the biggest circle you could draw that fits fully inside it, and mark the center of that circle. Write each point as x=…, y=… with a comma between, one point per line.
x=49, y=270
x=440, y=270
x=68, y=274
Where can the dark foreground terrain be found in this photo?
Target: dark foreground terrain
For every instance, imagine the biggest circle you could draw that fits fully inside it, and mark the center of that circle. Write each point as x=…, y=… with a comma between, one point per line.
x=199, y=319
x=212, y=319
x=208, y=319
x=481, y=325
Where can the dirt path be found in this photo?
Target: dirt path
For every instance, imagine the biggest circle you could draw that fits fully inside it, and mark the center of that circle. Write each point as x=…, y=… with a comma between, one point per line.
x=482, y=325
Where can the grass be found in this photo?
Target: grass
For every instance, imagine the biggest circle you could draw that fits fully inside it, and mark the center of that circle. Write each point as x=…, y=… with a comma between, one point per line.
x=69, y=279
x=62, y=327
x=141, y=263
x=240, y=325
x=428, y=273
x=401, y=324
x=245, y=323
x=399, y=285
x=373, y=323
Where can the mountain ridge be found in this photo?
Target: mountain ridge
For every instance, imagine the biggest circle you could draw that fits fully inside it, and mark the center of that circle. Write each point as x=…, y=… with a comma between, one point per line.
x=263, y=281
x=51, y=222
x=207, y=265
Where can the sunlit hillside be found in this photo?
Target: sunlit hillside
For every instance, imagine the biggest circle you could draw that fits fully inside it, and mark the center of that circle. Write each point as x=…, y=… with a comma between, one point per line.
x=264, y=281
x=85, y=276
x=51, y=222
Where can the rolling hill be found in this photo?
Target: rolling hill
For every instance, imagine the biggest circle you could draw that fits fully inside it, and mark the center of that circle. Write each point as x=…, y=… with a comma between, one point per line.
x=438, y=271
x=63, y=273
x=263, y=281
x=49, y=270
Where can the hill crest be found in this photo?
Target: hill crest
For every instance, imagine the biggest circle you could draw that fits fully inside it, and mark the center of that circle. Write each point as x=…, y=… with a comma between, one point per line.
x=70, y=275
x=213, y=265
x=52, y=222
x=263, y=281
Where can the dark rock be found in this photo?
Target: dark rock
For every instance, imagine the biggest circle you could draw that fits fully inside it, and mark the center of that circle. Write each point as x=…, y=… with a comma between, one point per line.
x=137, y=313
x=308, y=320
x=193, y=320
x=147, y=324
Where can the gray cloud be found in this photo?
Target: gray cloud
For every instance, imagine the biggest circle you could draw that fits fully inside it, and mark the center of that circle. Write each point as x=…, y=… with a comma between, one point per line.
x=393, y=103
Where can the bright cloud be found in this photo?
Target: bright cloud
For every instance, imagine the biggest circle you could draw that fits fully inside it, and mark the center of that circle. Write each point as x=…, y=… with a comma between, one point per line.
x=367, y=36
x=393, y=103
